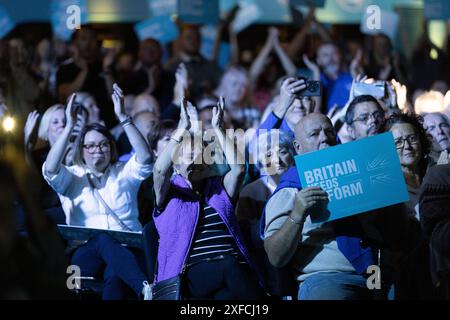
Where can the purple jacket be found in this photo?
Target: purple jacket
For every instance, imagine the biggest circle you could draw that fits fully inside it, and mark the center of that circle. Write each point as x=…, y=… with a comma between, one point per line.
x=177, y=223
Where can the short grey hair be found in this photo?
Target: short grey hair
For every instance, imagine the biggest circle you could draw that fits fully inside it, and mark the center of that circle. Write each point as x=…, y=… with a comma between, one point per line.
x=270, y=139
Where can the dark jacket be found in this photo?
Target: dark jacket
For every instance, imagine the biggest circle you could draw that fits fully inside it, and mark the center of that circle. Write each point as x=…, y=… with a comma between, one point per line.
x=434, y=202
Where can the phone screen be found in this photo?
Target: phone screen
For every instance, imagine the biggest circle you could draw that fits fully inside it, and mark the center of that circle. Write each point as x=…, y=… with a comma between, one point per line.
x=374, y=89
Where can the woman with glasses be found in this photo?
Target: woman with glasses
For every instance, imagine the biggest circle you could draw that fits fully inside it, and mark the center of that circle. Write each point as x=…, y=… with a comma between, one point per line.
x=99, y=192
x=412, y=270
x=413, y=147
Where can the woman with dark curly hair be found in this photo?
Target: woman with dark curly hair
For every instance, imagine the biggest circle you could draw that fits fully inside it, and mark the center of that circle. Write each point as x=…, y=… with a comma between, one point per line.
x=412, y=270
x=413, y=148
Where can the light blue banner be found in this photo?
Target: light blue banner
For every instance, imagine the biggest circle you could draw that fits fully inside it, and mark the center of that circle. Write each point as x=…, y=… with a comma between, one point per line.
x=161, y=28
x=358, y=176
x=437, y=10
x=6, y=23
x=307, y=3
x=199, y=11
x=275, y=11
x=249, y=12
x=261, y=12
x=226, y=5
x=60, y=16
x=209, y=33
x=162, y=7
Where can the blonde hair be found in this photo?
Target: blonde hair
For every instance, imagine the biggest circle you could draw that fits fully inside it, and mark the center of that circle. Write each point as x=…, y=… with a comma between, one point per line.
x=430, y=101
x=46, y=119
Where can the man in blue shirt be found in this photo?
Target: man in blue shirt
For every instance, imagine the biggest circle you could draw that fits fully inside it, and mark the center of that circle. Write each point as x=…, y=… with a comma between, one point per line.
x=335, y=81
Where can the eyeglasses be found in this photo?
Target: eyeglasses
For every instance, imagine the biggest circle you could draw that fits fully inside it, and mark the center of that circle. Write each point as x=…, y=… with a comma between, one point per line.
x=91, y=148
x=412, y=140
x=377, y=116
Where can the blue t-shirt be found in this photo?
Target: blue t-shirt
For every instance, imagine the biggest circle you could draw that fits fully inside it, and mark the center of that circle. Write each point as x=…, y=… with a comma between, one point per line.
x=336, y=91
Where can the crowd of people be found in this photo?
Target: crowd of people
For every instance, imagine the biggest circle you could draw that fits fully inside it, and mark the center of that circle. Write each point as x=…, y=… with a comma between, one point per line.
x=117, y=141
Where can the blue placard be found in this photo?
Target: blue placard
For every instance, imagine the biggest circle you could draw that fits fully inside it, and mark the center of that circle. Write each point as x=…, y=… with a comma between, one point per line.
x=209, y=33
x=249, y=12
x=161, y=28
x=162, y=7
x=6, y=24
x=226, y=5
x=307, y=3
x=199, y=11
x=358, y=176
x=437, y=9
x=60, y=16
x=275, y=11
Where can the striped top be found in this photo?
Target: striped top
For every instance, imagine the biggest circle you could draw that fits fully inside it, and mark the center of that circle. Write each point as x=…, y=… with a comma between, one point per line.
x=211, y=238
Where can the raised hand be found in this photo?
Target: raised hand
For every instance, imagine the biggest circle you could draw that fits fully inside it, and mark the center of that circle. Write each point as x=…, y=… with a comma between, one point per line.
x=311, y=17
x=184, y=122
x=119, y=105
x=182, y=74
x=109, y=58
x=314, y=68
x=218, y=111
x=193, y=117
x=355, y=64
x=181, y=84
x=357, y=79
x=390, y=98
x=289, y=89
x=310, y=64
x=401, y=94
x=71, y=114
x=153, y=78
x=274, y=35
x=30, y=125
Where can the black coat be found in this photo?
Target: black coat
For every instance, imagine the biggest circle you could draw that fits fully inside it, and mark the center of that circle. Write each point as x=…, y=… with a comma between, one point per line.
x=434, y=202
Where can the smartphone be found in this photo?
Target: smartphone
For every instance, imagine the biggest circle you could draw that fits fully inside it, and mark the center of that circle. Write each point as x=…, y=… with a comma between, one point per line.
x=313, y=89
x=376, y=89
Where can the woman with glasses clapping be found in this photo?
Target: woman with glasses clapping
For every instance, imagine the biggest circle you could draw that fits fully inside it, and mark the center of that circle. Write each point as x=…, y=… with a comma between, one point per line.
x=99, y=192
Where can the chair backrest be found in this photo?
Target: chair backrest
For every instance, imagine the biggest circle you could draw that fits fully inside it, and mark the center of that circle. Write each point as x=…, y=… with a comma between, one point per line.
x=150, y=247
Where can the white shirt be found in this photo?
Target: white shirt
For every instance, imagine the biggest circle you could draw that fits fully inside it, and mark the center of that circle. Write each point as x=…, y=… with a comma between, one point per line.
x=118, y=186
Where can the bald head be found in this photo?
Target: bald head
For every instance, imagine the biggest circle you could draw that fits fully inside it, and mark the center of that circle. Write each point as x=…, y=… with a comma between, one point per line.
x=145, y=102
x=314, y=132
x=145, y=122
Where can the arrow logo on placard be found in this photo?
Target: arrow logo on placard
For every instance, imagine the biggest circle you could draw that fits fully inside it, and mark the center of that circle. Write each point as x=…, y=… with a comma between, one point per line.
x=383, y=178
x=378, y=162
